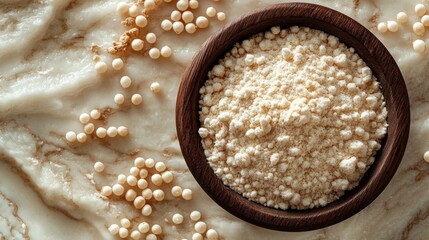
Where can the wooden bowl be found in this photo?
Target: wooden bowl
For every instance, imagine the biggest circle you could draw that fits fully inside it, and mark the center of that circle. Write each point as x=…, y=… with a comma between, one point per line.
x=350, y=32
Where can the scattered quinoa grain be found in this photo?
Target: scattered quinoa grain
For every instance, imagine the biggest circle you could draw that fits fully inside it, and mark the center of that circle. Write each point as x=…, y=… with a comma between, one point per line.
x=147, y=193
x=182, y=5
x=166, y=51
x=149, y=163
x=125, y=82
x=425, y=20
x=89, y=128
x=195, y=216
x=136, y=99
x=175, y=16
x=419, y=46
x=71, y=136
x=211, y=12
x=106, y=191
x=84, y=118
x=135, y=235
x=187, y=194
x=119, y=98
x=420, y=9
x=402, y=17
x=392, y=26
x=156, y=179
x=193, y=4
x=202, y=22
x=123, y=131
x=100, y=67
x=133, y=11
x=123, y=232
x=426, y=156
x=143, y=227
x=101, y=132
x=151, y=38
x=160, y=166
x=122, y=7
x=190, y=28
x=382, y=27
x=117, y=64
x=166, y=25
x=139, y=202
x=139, y=162
x=137, y=44
x=151, y=236
x=147, y=210
x=177, y=218
x=149, y=4
x=134, y=171
x=142, y=184
x=187, y=16
x=419, y=28
x=95, y=114
x=156, y=229
x=114, y=229
x=176, y=191
x=154, y=53
x=212, y=234
x=197, y=236
x=143, y=173
x=155, y=87
x=130, y=195
x=99, y=167
x=112, y=131
x=118, y=189
x=132, y=180
x=141, y=21
x=178, y=27
x=81, y=137
x=221, y=16
x=158, y=195
x=125, y=222
x=122, y=179
x=200, y=227
x=167, y=176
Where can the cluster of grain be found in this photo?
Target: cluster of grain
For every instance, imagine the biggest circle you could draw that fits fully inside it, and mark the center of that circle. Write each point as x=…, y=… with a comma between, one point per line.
x=148, y=182
x=137, y=19
x=419, y=27
x=182, y=18
x=291, y=118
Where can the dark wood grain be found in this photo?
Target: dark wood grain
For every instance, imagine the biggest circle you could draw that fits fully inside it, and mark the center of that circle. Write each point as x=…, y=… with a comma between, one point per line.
x=352, y=34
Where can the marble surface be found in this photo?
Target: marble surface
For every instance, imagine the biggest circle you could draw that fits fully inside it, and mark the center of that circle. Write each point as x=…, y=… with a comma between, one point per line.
x=48, y=188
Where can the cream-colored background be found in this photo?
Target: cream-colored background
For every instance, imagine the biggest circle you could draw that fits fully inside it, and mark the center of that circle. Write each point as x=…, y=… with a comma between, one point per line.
x=47, y=187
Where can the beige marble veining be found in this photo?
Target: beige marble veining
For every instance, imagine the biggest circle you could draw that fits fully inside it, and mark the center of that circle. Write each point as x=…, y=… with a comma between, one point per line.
x=48, y=189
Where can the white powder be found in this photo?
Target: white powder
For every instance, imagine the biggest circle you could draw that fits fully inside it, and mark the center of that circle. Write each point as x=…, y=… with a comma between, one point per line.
x=291, y=118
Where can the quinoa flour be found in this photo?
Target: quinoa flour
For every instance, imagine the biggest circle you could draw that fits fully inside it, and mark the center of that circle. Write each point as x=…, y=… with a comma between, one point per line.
x=291, y=118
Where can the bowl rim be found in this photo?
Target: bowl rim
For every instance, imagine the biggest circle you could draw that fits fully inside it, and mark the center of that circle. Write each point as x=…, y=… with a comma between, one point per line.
x=349, y=32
